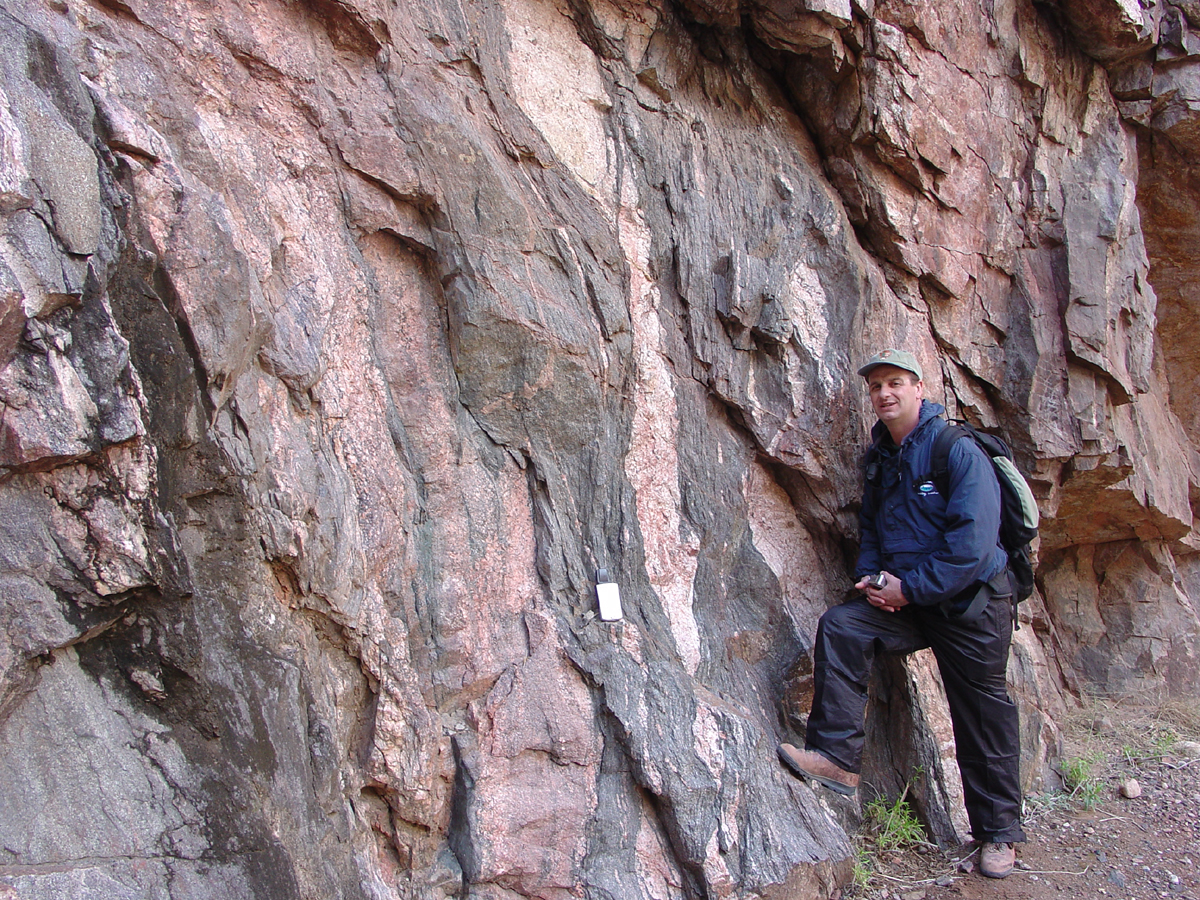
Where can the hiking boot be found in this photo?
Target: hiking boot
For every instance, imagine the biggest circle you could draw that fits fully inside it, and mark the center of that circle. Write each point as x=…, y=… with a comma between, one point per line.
x=996, y=860
x=808, y=764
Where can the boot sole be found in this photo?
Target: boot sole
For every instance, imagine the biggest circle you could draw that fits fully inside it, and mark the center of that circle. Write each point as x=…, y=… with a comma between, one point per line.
x=836, y=786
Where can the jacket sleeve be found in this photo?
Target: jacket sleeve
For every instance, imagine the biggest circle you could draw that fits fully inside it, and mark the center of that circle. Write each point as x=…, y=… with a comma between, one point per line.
x=968, y=549
x=870, y=560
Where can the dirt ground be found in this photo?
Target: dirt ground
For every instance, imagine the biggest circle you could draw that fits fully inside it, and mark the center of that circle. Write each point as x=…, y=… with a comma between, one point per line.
x=1092, y=843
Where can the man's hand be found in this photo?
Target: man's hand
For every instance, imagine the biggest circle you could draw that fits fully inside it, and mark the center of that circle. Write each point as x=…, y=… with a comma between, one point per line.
x=889, y=598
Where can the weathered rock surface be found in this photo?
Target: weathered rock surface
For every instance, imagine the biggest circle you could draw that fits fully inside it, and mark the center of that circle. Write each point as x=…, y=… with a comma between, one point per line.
x=342, y=342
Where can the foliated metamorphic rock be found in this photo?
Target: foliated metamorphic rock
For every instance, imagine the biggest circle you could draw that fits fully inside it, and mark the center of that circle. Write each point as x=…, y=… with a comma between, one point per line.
x=341, y=343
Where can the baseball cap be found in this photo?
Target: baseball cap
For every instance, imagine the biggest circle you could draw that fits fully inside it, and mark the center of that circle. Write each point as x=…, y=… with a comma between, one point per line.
x=901, y=359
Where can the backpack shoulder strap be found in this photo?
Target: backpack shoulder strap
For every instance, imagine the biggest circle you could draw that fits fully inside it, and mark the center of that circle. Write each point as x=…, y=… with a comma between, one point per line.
x=939, y=457
x=869, y=465
x=871, y=460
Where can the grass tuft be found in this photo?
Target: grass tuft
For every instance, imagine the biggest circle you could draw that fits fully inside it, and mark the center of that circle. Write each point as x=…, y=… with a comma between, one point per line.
x=864, y=868
x=895, y=826
x=1081, y=781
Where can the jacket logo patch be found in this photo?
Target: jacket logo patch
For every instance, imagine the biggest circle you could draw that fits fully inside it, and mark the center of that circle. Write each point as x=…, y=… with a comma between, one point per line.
x=927, y=488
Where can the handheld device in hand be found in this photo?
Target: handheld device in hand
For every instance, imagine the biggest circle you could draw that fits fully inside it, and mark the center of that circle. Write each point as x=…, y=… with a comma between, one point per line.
x=878, y=580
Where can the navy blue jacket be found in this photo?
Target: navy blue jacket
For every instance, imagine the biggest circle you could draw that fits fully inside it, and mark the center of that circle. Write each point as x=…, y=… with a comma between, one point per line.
x=942, y=548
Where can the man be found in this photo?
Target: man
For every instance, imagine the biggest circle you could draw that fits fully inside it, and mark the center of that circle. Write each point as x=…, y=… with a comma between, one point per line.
x=935, y=554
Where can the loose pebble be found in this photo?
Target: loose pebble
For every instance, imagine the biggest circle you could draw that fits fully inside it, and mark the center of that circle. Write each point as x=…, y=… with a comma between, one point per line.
x=1130, y=789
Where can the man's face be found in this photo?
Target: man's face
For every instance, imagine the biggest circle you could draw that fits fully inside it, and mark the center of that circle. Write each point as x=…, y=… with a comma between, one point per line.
x=896, y=396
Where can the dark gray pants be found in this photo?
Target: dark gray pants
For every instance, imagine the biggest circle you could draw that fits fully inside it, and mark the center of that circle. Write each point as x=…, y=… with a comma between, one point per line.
x=972, y=658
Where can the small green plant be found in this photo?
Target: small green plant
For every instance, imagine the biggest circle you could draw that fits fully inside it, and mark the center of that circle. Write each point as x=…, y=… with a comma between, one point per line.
x=864, y=868
x=895, y=824
x=1080, y=780
x=1164, y=742
x=1046, y=802
x=1034, y=806
x=1076, y=771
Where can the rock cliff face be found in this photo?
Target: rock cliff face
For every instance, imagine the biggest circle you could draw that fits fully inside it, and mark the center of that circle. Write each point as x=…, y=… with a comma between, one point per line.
x=341, y=341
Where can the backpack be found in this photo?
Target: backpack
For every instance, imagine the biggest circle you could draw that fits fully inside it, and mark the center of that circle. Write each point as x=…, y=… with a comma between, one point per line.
x=1018, y=508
